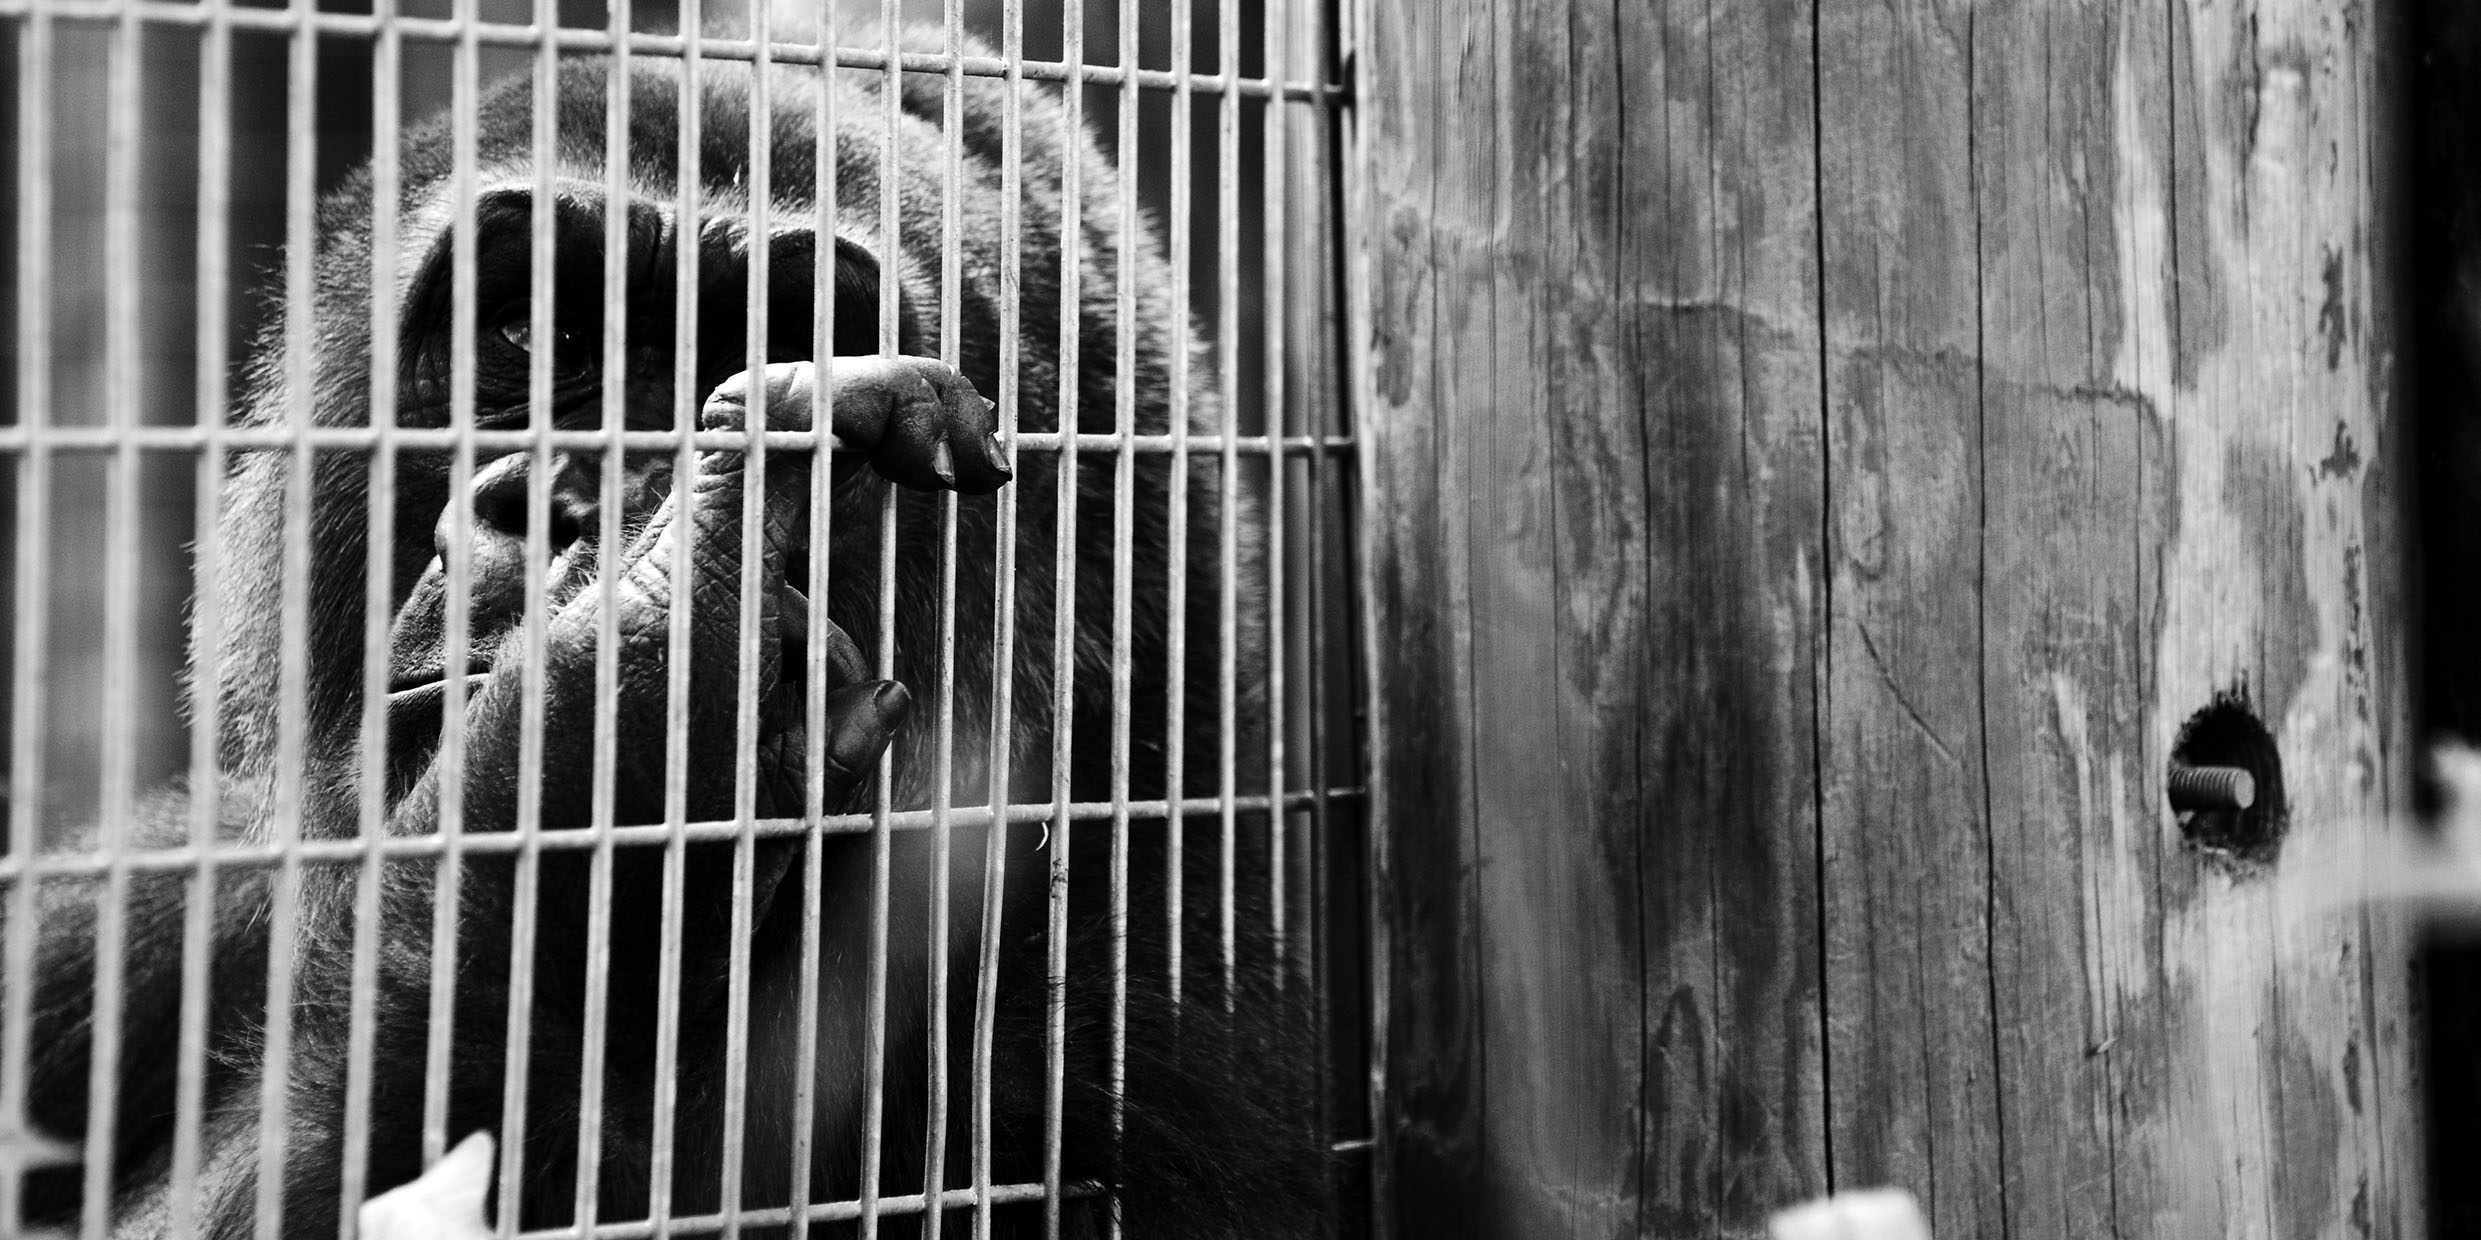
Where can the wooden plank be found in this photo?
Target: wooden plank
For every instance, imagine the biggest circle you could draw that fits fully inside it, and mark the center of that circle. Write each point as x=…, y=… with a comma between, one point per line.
x=1558, y=598
x=2072, y=258
x=1801, y=527
x=1595, y=373
x=1553, y=914
x=1416, y=568
x=1720, y=287
x=2284, y=1021
x=1910, y=1054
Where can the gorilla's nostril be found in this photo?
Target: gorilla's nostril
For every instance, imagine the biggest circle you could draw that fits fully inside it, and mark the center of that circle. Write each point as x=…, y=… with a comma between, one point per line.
x=566, y=527
x=500, y=509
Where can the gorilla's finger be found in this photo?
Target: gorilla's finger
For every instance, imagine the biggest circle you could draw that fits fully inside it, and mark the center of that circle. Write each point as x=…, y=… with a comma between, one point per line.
x=789, y=394
x=916, y=420
x=861, y=718
x=946, y=427
x=845, y=664
x=790, y=389
x=844, y=659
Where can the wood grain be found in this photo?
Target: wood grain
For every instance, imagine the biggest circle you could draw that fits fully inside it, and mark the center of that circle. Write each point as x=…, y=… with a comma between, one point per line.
x=1818, y=457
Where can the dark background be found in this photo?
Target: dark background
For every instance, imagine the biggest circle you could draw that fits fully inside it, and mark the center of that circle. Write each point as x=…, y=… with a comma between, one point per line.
x=2437, y=50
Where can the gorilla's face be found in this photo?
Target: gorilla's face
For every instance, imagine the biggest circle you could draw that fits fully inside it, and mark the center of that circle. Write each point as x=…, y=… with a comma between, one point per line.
x=533, y=358
x=547, y=361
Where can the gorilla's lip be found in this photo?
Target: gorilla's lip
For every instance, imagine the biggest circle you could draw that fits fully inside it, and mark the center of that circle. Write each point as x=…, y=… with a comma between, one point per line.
x=424, y=689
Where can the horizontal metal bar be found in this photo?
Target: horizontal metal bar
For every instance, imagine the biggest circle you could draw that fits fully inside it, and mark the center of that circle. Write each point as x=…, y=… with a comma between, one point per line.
x=339, y=852
x=528, y=35
x=243, y=439
x=828, y=1212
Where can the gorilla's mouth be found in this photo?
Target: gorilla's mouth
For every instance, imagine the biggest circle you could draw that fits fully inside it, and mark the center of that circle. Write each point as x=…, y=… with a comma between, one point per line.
x=423, y=690
x=416, y=702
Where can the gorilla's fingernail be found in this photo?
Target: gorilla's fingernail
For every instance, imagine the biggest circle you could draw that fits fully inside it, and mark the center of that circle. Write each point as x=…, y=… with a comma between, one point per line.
x=996, y=456
x=892, y=701
x=943, y=462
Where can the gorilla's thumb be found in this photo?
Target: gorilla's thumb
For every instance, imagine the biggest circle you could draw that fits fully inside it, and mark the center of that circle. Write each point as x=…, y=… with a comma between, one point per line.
x=861, y=718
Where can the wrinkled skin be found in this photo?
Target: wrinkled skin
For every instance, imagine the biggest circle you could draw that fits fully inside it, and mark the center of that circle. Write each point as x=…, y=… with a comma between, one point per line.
x=915, y=420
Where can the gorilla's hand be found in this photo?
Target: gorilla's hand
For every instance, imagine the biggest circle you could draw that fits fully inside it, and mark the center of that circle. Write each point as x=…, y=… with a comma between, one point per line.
x=912, y=419
x=917, y=422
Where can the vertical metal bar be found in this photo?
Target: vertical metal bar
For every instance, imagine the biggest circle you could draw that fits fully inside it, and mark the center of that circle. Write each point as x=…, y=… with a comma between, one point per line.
x=824, y=150
x=292, y=741
x=1003, y=646
x=34, y=475
x=1064, y=608
x=526, y=909
x=943, y=771
x=206, y=620
x=1361, y=392
x=34, y=403
x=1320, y=400
x=378, y=578
x=119, y=792
x=1123, y=564
x=882, y=836
x=120, y=599
x=610, y=511
x=1271, y=333
x=1176, y=573
x=1227, y=618
x=457, y=560
x=755, y=584
x=686, y=399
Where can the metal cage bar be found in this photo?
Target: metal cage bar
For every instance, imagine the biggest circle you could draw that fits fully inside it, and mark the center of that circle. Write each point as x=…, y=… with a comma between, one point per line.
x=1064, y=622
x=688, y=204
x=943, y=693
x=378, y=580
x=1123, y=580
x=1003, y=638
x=1267, y=466
x=1227, y=616
x=292, y=742
x=34, y=475
x=215, y=166
x=610, y=481
x=760, y=189
x=120, y=616
x=882, y=843
x=814, y=661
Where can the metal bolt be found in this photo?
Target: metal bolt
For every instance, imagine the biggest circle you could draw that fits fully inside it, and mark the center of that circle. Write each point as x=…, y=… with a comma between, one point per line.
x=2211, y=788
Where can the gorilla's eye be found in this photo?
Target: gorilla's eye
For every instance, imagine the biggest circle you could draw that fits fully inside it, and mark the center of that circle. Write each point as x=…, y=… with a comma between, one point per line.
x=571, y=353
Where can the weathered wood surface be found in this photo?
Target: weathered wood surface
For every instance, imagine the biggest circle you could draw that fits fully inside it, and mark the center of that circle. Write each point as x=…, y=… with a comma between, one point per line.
x=1818, y=454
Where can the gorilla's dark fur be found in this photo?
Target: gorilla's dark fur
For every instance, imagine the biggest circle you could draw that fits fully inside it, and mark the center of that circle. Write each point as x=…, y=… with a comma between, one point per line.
x=1218, y=1137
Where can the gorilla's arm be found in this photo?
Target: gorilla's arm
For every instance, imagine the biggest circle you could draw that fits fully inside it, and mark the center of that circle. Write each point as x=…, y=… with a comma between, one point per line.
x=153, y=914
x=915, y=421
x=910, y=419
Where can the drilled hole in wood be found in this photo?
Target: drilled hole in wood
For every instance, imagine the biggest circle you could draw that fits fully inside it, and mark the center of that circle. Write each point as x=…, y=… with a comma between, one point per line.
x=2225, y=780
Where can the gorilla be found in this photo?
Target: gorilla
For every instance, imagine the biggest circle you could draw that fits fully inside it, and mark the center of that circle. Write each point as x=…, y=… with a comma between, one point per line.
x=1185, y=1105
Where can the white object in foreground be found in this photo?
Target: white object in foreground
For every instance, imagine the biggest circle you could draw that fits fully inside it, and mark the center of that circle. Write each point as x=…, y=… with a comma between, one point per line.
x=1873, y=1214
x=444, y=1204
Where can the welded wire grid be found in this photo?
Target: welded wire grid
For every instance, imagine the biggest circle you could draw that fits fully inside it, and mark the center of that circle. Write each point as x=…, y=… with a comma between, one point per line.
x=168, y=156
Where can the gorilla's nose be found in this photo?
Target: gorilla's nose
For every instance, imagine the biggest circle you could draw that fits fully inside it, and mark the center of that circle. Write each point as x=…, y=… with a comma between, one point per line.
x=498, y=522
x=496, y=531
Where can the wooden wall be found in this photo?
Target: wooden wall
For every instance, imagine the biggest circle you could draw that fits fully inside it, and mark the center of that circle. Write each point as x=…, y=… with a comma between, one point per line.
x=1818, y=455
